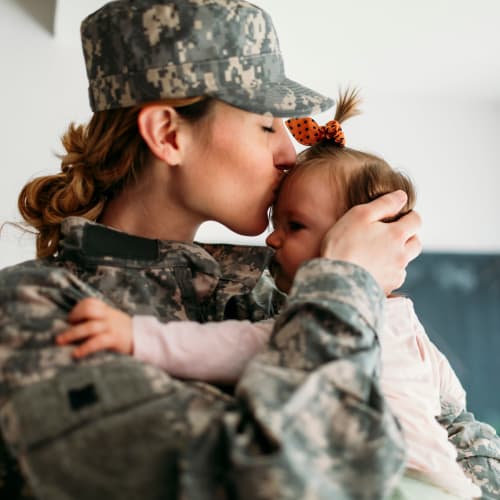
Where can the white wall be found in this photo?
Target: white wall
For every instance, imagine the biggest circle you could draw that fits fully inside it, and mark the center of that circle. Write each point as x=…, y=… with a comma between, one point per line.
x=429, y=73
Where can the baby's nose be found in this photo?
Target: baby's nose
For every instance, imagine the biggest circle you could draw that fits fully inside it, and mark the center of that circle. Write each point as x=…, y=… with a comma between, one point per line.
x=273, y=240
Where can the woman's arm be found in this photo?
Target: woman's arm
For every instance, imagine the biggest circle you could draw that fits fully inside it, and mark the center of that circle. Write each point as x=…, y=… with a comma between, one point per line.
x=478, y=448
x=477, y=443
x=315, y=395
x=308, y=418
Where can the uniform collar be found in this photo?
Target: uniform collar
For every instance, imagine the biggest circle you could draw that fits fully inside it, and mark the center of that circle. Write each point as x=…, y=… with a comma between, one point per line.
x=94, y=244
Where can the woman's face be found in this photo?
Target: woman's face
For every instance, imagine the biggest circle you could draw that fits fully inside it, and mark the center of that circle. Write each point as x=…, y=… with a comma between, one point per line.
x=233, y=168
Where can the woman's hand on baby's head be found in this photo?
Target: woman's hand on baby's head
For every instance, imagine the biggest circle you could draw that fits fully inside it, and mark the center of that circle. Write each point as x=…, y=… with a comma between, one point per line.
x=383, y=249
x=97, y=327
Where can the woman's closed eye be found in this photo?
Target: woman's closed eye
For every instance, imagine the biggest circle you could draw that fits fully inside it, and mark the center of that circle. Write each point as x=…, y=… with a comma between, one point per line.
x=270, y=129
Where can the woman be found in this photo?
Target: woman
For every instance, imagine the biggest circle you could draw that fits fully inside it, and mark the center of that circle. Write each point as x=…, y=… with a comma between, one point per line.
x=186, y=96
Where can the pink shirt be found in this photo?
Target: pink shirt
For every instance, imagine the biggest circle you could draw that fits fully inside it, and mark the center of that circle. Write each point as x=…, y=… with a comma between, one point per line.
x=415, y=377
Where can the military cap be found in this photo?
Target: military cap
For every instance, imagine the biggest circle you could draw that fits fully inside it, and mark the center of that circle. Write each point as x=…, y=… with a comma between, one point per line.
x=138, y=51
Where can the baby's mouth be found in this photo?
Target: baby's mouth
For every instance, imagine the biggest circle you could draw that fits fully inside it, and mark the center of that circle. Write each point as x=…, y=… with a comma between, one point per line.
x=274, y=267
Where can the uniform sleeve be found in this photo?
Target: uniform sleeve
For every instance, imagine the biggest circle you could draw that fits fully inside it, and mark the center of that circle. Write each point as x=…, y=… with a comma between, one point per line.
x=477, y=444
x=34, y=303
x=315, y=394
x=212, y=352
x=307, y=419
x=478, y=448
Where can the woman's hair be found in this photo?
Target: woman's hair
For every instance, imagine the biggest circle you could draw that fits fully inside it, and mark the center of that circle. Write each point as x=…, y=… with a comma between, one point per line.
x=356, y=176
x=102, y=157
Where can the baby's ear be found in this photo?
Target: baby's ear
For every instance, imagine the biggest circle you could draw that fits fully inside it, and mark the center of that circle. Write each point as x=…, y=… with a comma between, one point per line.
x=159, y=127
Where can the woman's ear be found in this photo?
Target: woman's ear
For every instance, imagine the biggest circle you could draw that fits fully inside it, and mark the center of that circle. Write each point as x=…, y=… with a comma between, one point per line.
x=159, y=127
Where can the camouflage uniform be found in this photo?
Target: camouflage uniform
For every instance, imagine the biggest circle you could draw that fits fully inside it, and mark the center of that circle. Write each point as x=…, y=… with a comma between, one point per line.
x=306, y=421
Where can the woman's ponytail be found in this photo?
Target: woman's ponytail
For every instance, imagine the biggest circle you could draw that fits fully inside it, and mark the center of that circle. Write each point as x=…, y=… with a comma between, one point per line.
x=100, y=159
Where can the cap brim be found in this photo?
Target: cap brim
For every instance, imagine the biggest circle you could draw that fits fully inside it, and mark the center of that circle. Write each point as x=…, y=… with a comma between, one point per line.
x=284, y=99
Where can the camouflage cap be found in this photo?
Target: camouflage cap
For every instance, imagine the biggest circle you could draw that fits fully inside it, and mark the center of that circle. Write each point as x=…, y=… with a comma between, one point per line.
x=144, y=50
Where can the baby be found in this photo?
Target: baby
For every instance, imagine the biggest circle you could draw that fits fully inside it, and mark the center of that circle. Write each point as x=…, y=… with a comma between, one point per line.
x=328, y=179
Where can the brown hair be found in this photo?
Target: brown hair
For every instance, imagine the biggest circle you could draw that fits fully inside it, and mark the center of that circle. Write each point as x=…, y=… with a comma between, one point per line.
x=102, y=157
x=359, y=177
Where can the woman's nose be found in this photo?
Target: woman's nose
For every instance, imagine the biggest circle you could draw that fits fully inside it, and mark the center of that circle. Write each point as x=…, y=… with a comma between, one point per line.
x=284, y=152
x=273, y=240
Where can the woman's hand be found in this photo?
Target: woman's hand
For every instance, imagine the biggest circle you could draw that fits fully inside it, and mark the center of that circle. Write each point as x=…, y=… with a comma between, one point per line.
x=97, y=327
x=383, y=248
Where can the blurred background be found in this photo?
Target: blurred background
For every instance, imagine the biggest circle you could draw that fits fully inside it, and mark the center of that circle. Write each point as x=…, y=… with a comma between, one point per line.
x=429, y=74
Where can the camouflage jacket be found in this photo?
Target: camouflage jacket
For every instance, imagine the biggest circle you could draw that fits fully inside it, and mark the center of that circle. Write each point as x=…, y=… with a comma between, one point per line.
x=307, y=419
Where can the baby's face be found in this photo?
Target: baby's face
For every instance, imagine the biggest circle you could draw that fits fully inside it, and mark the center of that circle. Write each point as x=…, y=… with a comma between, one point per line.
x=304, y=212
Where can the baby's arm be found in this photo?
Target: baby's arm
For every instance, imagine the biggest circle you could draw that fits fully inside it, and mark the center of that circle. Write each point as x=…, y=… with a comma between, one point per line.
x=212, y=352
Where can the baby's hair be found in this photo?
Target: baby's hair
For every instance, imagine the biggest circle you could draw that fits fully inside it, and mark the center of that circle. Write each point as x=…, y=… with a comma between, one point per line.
x=347, y=105
x=375, y=179
x=357, y=177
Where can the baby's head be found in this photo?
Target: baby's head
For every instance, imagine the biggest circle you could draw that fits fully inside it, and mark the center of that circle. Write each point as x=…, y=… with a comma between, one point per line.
x=326, y=182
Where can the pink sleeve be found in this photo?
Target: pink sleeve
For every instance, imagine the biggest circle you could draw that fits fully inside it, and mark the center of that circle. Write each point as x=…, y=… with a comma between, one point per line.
x=211, y=352
x=450, y=388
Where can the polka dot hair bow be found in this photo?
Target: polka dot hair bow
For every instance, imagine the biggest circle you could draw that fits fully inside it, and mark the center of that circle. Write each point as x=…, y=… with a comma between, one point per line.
x=308, y=132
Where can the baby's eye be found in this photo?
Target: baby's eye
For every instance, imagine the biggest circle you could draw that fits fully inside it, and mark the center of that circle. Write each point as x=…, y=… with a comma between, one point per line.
x=294, y=226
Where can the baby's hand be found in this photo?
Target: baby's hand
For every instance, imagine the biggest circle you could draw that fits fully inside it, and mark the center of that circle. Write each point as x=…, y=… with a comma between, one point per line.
x=98, y=327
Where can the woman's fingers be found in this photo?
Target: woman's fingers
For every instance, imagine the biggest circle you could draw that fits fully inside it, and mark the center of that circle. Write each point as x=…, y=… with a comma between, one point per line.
x=385, y=206
x=89, y=308
x=413, y=247
x=407, y=226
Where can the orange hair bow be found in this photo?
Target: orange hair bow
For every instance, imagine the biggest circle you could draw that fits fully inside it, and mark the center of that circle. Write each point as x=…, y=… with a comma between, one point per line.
x=308, y=132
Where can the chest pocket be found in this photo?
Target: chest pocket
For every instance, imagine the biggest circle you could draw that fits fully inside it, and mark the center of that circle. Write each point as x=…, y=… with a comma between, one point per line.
x=94, y=422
